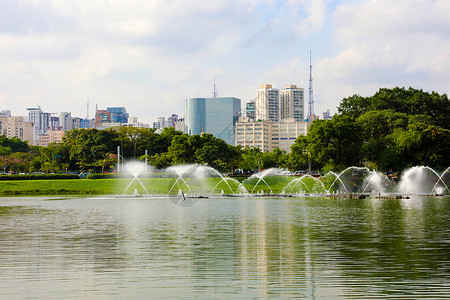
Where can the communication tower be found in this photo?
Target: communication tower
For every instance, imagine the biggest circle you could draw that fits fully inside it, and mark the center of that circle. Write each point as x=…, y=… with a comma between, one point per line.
x=311, y=99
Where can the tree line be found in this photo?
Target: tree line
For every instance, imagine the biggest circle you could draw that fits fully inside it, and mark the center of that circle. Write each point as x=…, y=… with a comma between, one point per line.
x=392, y=130
x=389, y=131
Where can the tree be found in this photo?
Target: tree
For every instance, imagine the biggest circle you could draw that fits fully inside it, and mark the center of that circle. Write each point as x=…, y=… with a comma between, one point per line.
x=335, y=143
x=14, y=143
x=299, y=157
x=250, y=159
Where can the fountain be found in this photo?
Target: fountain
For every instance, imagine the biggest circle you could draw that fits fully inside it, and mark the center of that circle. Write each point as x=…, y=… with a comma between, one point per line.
x=423, y=180
x=261, y=175
x=306, y=184
x=195, y=179
x=187, y=183
x=136, y=169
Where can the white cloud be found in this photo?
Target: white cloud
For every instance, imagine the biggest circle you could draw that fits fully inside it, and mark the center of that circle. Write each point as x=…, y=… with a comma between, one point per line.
x=150, y=55
x=385, y=44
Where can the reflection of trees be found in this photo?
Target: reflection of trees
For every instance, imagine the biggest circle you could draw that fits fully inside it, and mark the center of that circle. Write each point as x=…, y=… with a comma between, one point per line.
x=270, y=248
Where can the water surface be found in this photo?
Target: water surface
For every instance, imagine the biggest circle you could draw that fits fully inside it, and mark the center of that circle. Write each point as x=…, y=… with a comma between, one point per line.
x=231, y=248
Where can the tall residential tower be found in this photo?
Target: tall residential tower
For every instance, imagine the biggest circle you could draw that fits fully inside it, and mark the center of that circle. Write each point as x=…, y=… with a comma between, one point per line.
x=292, y=100
x=267, y=103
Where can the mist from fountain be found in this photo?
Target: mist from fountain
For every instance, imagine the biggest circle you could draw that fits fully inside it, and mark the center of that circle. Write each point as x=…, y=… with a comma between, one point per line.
x=297, y=185
x=261, y=175
x=358, y=173
x=199, y=173
x=419, y=180
x=441, y=189
x=192, y=181
x=136, y=169
x=240, y=187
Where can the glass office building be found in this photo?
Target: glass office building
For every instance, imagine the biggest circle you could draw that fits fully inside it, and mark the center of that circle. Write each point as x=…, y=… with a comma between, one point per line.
x=217, y=116
x=118, y=114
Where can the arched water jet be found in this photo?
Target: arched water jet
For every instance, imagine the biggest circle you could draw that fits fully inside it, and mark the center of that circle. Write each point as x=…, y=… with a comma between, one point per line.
x=443, y=182
x=261, y=175
x=414, y=180
x=241, y=188
x=136, y=169
x=358, y=173
x=294, y=185
x=317, y=186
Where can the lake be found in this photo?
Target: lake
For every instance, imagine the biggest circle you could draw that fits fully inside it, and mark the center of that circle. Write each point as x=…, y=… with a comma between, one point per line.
x=230, y=248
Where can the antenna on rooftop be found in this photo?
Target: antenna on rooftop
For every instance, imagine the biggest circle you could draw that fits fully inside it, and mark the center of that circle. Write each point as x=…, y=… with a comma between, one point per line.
x=311, y=99
x=87, y=107
x=215, y=91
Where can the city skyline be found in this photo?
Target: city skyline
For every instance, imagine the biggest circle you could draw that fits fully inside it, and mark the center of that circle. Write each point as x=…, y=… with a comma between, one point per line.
x=151, y=56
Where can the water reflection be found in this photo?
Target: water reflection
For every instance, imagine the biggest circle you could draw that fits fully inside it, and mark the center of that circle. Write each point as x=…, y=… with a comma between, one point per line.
x=249, y=248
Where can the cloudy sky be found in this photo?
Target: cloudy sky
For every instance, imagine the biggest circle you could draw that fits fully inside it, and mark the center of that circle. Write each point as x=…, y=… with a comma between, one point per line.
x=149, y=55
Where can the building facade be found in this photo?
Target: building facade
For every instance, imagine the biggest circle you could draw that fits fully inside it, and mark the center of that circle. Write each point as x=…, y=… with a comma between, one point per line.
x=217, y=116
x=5, y=113
x=52, y=136
x=269, y=135
x=65, y=120
x=17, y=127
x=250, y=110
x=102, y=116
x=292, y=100
x=118, y=114
x=267, y=103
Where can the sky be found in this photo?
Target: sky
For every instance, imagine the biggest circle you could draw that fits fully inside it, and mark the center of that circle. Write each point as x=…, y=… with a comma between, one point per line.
x=149, y=56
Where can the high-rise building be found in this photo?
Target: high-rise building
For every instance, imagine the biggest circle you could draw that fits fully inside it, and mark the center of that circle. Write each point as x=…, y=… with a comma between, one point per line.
x=102, y=116
x=118, y=114
x=85, y=123
x=76, y=123
x=292, y=101
x=65, y=120
x=17, y=127
x=250, y=110
x=172, y=120
x=34, y=116
x=161, y=123
x=267, y=103
x=213, y=115
x=42, y=120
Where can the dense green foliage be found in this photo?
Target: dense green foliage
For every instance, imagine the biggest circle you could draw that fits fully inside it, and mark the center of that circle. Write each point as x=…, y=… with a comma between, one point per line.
x=391, y=130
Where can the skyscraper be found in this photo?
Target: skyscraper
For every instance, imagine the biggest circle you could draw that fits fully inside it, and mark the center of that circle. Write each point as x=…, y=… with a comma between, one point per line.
x=213, y=115
x=292, y=101
x=65, y=121
x=267, y=103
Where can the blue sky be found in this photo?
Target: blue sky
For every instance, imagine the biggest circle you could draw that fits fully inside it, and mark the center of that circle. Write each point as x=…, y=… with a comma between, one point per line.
x=150, y=55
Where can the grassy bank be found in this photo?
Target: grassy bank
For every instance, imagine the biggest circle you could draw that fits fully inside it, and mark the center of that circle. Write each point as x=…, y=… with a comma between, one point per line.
x=150, y=185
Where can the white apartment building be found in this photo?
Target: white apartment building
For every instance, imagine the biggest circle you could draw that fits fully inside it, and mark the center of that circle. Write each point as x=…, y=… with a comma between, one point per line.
x=269, y=135
x=267, y=103
x=133, y=122
x=42, y=121
x=292, y=101
x=17, y=127
x=161, y=123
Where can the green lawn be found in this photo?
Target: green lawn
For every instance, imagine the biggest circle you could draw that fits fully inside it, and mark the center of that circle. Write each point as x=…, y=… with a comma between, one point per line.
x=144, y=185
